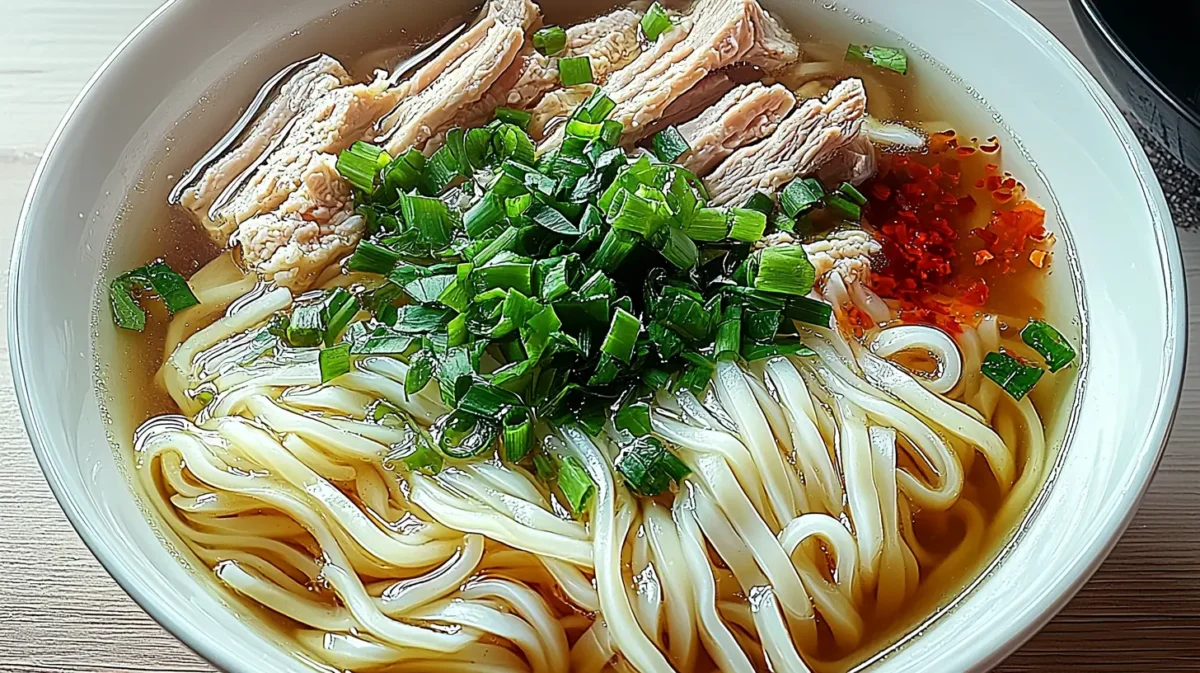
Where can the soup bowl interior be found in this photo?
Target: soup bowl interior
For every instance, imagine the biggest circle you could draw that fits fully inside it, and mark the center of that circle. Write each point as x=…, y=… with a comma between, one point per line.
x=153, y=108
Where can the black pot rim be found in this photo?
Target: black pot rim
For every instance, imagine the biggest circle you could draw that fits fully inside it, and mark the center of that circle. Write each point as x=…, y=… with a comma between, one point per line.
x=1094, y=16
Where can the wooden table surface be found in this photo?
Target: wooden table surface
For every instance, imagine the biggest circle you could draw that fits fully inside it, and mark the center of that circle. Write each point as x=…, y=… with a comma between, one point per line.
x=61, y=613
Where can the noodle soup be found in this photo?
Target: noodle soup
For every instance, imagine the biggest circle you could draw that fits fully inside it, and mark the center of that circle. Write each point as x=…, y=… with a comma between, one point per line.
x=583, y=341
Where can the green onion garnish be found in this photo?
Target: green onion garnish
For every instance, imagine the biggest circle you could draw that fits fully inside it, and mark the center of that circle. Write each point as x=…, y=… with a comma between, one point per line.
x=370, y=257
x=884, y=57
x=843, y=207
x=334, y=362
x=649, y=468
x=596, y=108
x=361, y=164
x=574, y=71
x=746, y=225
x=307, y=328
x=800, y=196
x=851, y=192
x=550, y=41
x=157, y=277
x=338, y=310
x=576, y=486
x=669, y=144
x=622, y=336
x=518, y=434
x=760, y=202
x=1049, y=343
x=655, y=22
x=1014, y=376
x=710, y=225
x=678, y=248
x=784, y=269
x=518, y=118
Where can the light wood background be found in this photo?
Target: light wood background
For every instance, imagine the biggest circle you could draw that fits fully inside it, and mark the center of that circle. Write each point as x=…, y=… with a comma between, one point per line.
x=61, y=613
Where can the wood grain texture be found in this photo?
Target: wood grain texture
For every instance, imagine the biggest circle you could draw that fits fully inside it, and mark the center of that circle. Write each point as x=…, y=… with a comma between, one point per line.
x=61, y=613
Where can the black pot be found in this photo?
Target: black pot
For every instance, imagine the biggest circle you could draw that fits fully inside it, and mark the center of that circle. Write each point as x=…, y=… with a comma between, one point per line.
x=1143, y=48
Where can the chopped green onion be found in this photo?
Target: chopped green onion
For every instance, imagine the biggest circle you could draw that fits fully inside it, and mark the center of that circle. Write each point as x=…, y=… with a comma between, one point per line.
x=339, y=309
x=746, y=225
x=125, y=310
x=488, y=401
x=370, y=257
x=361, y=163
x=649, y=468
x=574, y=71
x=441, y=170
x=800, y=196
x=811, y=311
x=884, y=57
x=334, y=362
x=707, y=225
x=843, y=207
x=404, y=172
x=669, y=144
x=306, y=328
x=784, y=269
x=679, y=249
x=729, y=334
x=485, y=214
x=655, y=22
x=518, y=434
x=550, y=218
x=1014, y=376
x=576, y=485
x=420, y=371
x=430, y=216
x=462, y=435
x=622, y=336
x=851, y=192
x=596, y=108
x=613, y=250
x=416, y=451
x=519, y=118
x=760, y=202
x=157, y=276
x=1049, y=343
x=550, y=41
x=634, y=416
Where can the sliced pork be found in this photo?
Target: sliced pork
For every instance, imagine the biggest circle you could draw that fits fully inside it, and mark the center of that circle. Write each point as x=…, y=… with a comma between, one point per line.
x=297, y=94
x=465, y=73
x=331, y=124
x=746, y=114
x=293, y=251
x=803, y=143
x=716, y=34
x=855, y=163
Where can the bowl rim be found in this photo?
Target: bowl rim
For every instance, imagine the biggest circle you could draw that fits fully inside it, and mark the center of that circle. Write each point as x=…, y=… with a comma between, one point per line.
x=1060, y=592
x=1091, y=12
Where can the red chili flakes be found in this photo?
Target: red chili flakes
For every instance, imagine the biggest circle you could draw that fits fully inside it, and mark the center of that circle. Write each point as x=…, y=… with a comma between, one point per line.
x=920, y=207
x=1012, y=232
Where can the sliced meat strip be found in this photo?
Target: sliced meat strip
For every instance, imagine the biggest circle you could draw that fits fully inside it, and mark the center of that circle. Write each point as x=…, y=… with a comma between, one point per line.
x=704, y=95
x=715, y=35
x=855, y=163
x=495, y=43
x=331, y=124
x=743, y=116
x=802, y=144
x=296, y=95
x=293, y=251
x=774, y=47
x=610, y=42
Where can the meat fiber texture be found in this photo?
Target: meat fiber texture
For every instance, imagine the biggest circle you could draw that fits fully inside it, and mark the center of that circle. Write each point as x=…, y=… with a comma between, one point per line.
x=746, y=114
x=714, y=35
x=286, y=204
x=804, y=142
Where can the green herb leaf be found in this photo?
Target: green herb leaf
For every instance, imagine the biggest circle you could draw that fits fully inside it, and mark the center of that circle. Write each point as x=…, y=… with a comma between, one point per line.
x=334, y=362
x=655, y=22
x=1014, y=376
x=575, y=71
x=884, y=57
x=550, y=41
x=576, y=486
x=784, y=269
x=649, y=468
x=1049, y=343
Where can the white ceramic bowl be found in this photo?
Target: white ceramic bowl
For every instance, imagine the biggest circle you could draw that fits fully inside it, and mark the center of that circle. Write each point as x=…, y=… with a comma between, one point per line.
x=108, y=156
